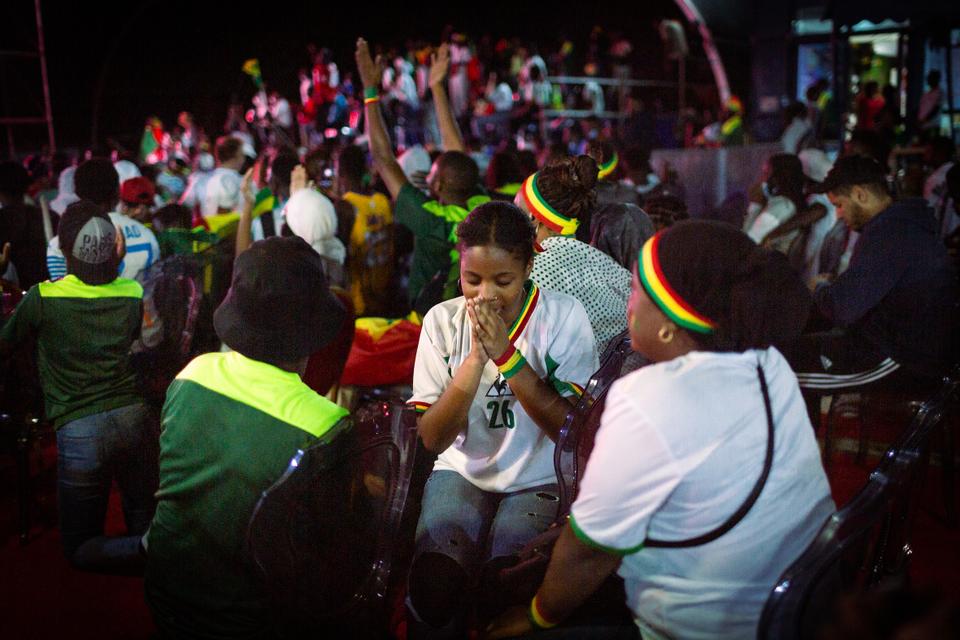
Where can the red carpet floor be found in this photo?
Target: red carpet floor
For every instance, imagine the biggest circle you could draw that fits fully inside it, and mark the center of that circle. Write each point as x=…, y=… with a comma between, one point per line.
x=42, y=597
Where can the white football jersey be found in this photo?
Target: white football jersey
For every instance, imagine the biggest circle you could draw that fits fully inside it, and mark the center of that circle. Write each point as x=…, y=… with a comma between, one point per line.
x=502, y=449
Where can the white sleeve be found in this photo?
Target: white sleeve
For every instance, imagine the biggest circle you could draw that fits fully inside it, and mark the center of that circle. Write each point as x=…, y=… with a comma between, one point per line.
x=431, y=373
x=629, y=476
x=777, y=211
x=572, y=356
x=56, y=262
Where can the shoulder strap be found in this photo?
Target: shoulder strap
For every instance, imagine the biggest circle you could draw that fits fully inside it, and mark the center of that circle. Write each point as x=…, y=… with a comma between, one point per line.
x=738, y=515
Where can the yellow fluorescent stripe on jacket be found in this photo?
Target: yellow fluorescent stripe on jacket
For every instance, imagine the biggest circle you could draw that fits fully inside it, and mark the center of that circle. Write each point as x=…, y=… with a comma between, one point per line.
x=70, y=286
x=278, y=393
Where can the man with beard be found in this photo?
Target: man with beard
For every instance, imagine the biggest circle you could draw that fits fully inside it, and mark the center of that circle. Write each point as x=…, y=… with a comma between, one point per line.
x=893, y=308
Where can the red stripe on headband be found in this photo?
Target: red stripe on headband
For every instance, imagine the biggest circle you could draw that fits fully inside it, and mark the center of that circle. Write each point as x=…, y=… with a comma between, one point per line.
x=655, y=259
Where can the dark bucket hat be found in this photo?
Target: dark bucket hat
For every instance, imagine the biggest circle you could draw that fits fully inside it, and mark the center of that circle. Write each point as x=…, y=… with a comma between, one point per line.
x=279, y=307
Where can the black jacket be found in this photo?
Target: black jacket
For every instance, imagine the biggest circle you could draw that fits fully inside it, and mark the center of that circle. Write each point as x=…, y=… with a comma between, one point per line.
x=900, y=291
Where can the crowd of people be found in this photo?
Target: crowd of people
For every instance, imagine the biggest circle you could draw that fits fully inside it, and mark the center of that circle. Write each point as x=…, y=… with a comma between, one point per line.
x=521, y=268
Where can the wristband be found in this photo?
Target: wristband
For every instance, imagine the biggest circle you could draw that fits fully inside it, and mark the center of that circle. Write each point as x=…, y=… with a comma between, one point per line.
x=536, y=618
x=370, y=92
x=371, y=100
x=510, y=362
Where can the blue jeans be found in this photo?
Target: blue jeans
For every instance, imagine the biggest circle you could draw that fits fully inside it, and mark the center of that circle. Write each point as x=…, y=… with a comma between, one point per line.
x=93, y=451
x=462, y=531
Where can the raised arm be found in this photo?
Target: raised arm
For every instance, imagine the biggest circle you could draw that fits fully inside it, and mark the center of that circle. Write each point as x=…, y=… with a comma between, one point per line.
x=244, y=233
x=380, y=148
x=450, y=137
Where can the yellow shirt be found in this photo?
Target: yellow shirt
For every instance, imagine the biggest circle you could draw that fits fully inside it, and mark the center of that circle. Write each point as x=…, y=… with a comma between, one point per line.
x=371, y=249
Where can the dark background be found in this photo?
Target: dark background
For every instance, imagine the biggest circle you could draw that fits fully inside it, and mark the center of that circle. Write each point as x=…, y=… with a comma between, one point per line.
x=112, y=64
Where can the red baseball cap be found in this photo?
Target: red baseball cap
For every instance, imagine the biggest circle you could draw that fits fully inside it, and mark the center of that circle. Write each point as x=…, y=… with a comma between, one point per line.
x=137, y=190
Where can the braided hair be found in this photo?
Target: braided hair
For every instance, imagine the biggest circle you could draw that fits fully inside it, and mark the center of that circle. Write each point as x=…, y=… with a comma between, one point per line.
x=500, y=224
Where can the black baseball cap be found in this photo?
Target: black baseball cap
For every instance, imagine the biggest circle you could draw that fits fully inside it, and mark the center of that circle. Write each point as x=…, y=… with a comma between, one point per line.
x=851, y=170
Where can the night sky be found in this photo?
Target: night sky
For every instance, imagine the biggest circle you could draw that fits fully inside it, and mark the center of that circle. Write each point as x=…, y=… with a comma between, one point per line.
x=152, y=56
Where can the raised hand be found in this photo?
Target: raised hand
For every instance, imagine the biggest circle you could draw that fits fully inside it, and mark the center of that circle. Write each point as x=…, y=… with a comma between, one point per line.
x=439, y=64
x=491, y=329
x=370, y=70
x=246, y=188
x=477, y=352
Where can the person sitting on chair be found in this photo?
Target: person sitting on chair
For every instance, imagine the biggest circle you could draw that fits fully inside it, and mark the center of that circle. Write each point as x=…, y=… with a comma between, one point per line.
x=230, y=426
x=712, y=440
x=495, y=374
x=895, y=304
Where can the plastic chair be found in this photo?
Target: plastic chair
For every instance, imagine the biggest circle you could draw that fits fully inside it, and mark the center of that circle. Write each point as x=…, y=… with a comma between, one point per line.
x=323, y=537
x=903, y=396
x=867, y=542
x=580, y=428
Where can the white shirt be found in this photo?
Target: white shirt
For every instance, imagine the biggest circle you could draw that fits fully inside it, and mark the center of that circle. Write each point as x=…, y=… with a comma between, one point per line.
x=589, y=275
x=778, y=210
x=142, y=249
x=222, y=191
x=501, y=97
x=680, y=447
x=502, y=449
x=196, y=188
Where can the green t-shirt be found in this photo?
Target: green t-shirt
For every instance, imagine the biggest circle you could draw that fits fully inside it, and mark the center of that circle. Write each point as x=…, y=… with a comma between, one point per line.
x=83, y=333
x=230, y=426
x=433, y=226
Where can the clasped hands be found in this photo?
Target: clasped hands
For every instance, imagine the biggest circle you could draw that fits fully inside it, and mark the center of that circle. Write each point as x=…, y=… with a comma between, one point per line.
x=488, y=331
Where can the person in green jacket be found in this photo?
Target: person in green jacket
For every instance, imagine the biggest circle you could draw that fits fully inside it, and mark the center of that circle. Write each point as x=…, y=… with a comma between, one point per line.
x=231, y=424
x=84, y=325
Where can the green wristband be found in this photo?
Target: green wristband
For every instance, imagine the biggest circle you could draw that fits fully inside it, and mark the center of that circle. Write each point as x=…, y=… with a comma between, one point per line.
x=370, y=92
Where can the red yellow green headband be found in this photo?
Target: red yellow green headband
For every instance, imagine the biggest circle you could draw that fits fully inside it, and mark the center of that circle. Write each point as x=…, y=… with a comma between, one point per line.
x=542, y=211
x=609, y=166
x=660, y=291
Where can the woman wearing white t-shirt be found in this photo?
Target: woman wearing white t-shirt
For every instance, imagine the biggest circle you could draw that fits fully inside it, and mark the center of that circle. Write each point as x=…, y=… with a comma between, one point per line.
x=782, y=188
x=686, y=442
x=495, y=375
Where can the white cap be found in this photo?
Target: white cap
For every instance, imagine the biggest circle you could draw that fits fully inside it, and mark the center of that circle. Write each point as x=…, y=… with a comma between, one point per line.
x=126, y=170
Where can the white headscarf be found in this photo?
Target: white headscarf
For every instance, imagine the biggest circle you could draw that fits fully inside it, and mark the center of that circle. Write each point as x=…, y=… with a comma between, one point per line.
x=66, y=193
x=311, y=216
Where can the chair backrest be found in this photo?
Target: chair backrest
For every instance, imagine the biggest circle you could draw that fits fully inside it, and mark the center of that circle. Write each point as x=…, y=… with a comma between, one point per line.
x=865, y=543
x=906, y=463
x=322, y=537
x=580, y=428
x=840, y=558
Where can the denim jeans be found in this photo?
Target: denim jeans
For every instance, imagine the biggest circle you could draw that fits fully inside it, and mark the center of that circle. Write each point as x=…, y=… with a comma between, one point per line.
x=93, y=451
x=462, y=532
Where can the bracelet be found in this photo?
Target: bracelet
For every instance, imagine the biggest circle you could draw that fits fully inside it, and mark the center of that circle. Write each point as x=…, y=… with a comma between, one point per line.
x=371, y=100
x=536, y=618
x=510, y=362
x=371, y=92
